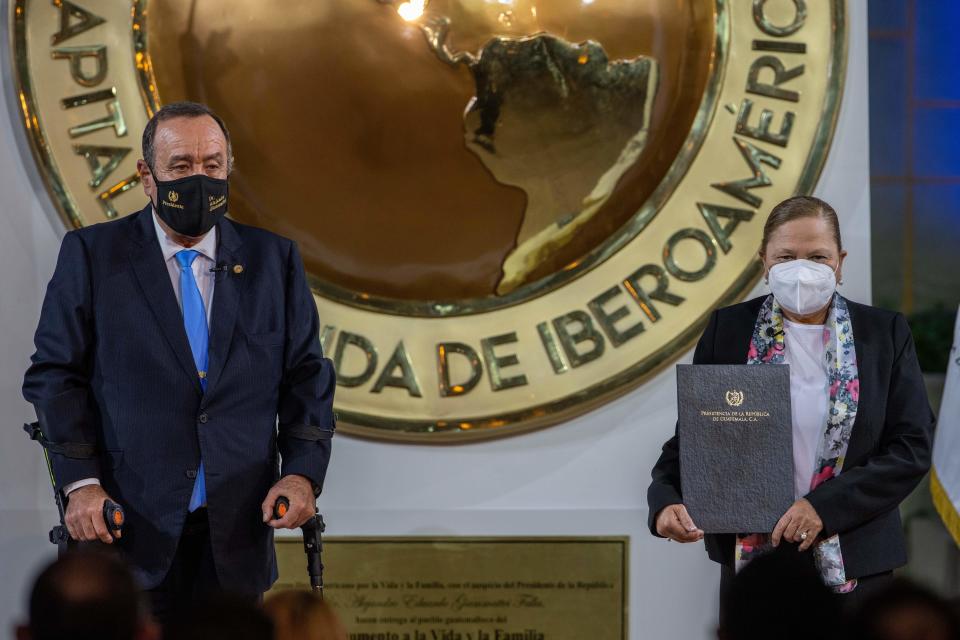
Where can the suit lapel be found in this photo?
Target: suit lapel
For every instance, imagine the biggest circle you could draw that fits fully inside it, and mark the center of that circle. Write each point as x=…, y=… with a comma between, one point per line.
x=226, y=299
x=154, y=279
x=736, y=346
x=864, y=359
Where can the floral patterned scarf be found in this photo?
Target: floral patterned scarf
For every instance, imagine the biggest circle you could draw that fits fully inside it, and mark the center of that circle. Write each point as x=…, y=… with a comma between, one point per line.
x=767, y=347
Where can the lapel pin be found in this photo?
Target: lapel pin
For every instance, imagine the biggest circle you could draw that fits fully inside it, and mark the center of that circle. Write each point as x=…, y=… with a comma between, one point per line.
x=238, y=268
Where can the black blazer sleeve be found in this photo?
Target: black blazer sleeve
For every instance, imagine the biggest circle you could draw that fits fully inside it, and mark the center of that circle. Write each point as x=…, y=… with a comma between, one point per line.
x=860, y=494
x=57, y=382
x=665, y=488
x=305, y=416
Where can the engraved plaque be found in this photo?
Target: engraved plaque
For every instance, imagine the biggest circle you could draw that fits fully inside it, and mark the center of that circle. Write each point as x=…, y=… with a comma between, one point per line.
x=471, y=588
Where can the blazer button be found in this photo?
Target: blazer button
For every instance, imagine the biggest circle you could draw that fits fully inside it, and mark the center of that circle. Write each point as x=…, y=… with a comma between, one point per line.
x=191, y=473
x=203, y=418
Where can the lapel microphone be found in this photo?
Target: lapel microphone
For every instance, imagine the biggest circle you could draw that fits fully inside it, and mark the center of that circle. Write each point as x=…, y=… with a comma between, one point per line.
x=223, y=268
x=219, y=272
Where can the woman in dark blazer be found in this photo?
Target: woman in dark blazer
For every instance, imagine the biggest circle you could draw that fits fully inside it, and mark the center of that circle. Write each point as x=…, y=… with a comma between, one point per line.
x=862, y=424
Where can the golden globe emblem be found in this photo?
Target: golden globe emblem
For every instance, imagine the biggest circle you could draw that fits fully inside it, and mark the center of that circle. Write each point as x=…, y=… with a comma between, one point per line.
x=510, y=212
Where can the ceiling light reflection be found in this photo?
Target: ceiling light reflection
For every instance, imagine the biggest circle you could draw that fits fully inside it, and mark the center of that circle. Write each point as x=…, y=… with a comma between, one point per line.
x=412, y=10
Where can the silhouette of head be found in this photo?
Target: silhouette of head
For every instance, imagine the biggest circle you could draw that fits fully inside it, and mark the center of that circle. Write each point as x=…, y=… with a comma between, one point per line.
x=301, y=615
x=905, y=611
x=85, y=596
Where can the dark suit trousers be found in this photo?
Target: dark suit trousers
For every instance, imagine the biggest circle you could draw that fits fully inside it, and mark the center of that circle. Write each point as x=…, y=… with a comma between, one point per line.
x=192, y=574
x=851, y=602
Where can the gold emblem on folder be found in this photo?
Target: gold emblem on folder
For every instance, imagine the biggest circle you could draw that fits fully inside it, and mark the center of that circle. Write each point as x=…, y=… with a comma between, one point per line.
x=734, y=398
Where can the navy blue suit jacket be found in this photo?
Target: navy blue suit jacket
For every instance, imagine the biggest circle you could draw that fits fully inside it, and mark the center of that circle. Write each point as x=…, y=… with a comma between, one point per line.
x=113, y=369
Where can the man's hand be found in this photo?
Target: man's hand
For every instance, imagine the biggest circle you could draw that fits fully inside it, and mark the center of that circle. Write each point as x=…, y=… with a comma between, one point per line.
x=299, y=491
x=799, y=519
x=84, y=516
x=674, y=522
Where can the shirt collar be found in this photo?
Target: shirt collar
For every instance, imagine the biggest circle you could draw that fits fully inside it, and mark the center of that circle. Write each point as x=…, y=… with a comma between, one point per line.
x=207, y=247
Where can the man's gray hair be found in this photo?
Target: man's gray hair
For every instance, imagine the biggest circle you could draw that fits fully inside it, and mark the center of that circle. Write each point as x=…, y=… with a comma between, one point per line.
x=181, y=110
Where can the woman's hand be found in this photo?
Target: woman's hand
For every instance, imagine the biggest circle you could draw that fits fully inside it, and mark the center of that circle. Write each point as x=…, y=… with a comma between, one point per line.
x=799, y=519
x=674, y=522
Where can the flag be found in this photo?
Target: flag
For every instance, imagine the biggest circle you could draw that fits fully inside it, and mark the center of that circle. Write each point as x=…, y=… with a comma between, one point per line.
x=945, y=475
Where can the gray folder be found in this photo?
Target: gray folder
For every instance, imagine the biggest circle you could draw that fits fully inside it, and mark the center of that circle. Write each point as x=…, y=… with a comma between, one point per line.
x=736, y=448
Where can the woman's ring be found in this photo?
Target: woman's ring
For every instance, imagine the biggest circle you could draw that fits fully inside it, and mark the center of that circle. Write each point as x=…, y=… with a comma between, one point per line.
x=803, y=535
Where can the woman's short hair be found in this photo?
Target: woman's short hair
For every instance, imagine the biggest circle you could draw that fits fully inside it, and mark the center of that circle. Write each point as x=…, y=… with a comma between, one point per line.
x=800, y=207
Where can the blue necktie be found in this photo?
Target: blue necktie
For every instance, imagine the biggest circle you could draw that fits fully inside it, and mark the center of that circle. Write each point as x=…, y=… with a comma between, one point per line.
x=195, y=322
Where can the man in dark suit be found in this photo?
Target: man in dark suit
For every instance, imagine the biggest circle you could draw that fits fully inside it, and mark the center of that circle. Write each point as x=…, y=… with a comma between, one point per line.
x=177, y=358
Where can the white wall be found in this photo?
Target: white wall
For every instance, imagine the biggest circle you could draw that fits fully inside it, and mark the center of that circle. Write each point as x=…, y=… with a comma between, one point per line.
x=588, y=476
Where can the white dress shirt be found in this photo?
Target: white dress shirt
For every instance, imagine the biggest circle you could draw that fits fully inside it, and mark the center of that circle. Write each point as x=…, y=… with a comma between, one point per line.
x=804, y=351
x=207, y=248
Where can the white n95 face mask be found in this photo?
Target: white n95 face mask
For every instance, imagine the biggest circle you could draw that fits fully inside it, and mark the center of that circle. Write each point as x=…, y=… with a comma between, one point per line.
x=802, y=286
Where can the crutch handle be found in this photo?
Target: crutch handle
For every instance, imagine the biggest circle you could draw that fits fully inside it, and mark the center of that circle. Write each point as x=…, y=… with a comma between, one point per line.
x=113, y=516
x=281, y=507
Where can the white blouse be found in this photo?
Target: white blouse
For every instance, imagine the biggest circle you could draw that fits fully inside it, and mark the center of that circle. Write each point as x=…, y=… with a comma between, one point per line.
x=804, y=351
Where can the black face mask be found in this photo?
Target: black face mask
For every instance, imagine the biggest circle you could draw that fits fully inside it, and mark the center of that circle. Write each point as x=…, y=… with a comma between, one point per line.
x=193, y=205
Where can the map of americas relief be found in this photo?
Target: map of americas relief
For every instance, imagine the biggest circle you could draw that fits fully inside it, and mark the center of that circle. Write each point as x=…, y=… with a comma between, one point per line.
x=557, y=119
